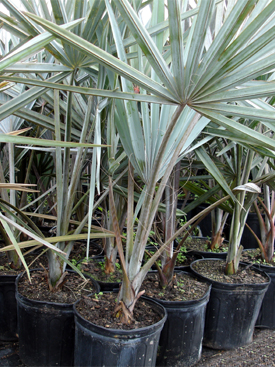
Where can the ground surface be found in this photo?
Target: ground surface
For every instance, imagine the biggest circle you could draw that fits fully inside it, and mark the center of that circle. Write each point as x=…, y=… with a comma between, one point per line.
x=261, y=352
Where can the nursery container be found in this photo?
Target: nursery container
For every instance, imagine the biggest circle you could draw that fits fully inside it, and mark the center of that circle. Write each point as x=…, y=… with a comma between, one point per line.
x=181, y=337
x=266, y=318
x=46, y=331
x=8, y=308
x=100, y=346
x=232, y=312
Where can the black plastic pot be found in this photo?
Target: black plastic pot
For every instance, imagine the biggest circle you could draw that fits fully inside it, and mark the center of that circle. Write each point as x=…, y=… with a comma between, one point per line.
x=181, y=337
x=266, y=318
x=232, y=312
x=99, y=346
x=180, y=202
x=8, y=308
x=206, y=223
x=248, y=241
x=46, y=331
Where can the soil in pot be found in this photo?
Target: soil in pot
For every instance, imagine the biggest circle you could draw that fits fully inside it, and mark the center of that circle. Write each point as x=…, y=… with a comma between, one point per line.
x=74, y=287
x=234, y=303
x=184, y=288
x=46, y=319
x=95, y=267
x=185, y=302
x=100, y=307
x=200, y=245
x=33, y=259
x=214, y=270
x=185, y=259
x=105, y=341
x=253, y=256
x=79, y=250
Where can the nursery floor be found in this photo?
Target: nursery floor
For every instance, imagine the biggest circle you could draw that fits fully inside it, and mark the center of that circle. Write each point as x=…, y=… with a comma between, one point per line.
x=261, y=352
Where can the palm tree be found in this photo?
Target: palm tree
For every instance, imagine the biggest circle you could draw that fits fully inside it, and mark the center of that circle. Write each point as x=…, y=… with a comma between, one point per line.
x=191, y=69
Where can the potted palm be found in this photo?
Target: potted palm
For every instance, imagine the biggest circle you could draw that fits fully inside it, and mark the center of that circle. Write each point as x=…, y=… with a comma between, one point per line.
x=12, y=263
x=263, y=257
x=266, y=261
x=184, y=92
x=222, y=291
x=69, y=127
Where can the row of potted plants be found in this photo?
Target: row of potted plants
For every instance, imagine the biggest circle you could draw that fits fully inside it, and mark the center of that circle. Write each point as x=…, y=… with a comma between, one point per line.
x=182, y=89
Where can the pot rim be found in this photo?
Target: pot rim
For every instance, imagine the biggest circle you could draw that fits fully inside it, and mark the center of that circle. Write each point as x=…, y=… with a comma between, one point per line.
x=231, y=286
x=39, y=303
x=121, y=333
x=186, y=303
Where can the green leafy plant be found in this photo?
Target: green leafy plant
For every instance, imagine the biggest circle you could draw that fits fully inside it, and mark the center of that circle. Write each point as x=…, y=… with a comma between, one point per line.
x=97, y=295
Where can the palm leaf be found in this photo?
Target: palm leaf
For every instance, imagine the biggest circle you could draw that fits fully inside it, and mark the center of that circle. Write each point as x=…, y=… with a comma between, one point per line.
x=105, y=59
x=147, y=45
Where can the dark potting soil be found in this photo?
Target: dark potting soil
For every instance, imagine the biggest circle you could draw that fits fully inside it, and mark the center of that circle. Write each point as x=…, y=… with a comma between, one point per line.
x=99, y=309
x=184, y=288
x=96, y=269
x=202, y=244
x=79, y=250
x=214, y=270
x=74, y=287
x=185, y=259
x=33, y=260
x=253, y=256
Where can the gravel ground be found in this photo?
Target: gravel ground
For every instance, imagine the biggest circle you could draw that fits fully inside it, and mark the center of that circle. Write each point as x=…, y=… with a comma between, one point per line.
x=261, y=352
